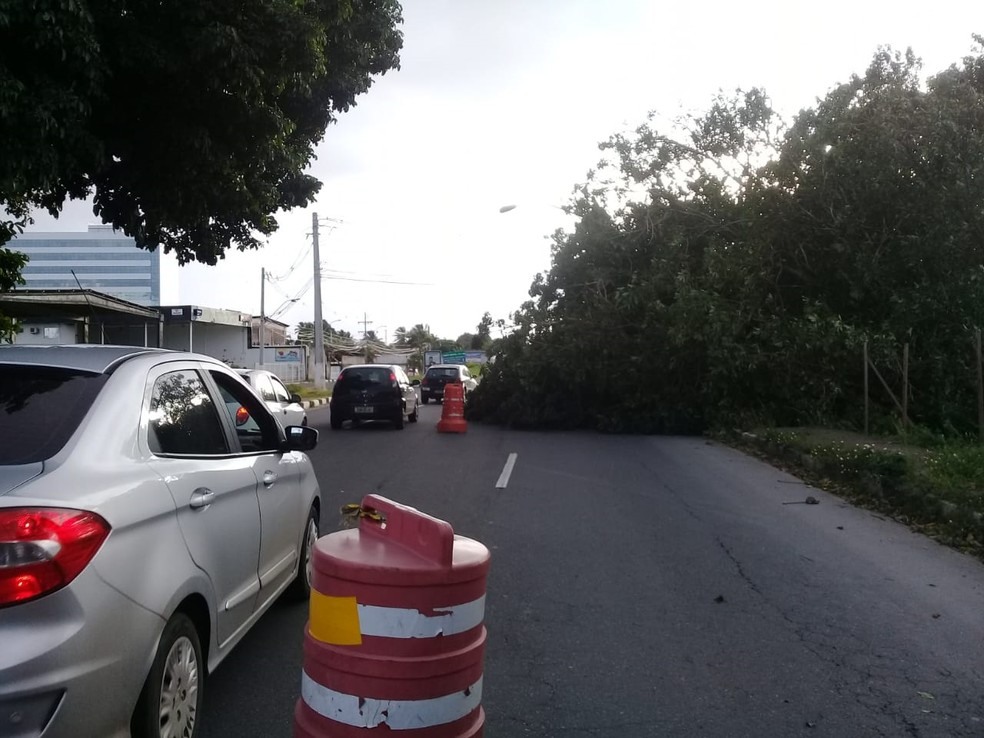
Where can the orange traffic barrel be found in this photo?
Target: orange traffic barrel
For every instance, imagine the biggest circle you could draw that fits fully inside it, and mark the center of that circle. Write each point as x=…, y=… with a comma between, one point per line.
x=395, y=639
x=453, y=413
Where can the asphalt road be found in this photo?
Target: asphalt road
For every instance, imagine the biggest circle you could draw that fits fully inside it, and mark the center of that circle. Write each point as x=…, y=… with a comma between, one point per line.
x=656, y=586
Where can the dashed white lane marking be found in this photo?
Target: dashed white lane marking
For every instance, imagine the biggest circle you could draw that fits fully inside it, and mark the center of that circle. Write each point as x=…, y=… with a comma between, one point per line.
x=506, y=472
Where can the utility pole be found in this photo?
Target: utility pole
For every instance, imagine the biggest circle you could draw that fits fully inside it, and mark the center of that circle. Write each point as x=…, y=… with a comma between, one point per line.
x=365, y=333
x=262, y=311
x=319, y=329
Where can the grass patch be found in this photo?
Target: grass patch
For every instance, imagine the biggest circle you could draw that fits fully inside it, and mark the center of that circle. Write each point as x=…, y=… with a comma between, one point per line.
x=935, y=487
x=309, y=391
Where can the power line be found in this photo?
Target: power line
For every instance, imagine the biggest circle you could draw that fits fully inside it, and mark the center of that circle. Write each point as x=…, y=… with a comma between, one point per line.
x=290, y=270
x=375, y=281
x=296, y=298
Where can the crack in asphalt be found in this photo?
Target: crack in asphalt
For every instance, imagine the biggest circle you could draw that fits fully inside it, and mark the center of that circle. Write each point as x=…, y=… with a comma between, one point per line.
x=741, y=571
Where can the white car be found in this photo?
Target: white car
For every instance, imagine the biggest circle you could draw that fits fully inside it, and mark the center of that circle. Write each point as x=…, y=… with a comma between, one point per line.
x=283, y=403
x=143, y=531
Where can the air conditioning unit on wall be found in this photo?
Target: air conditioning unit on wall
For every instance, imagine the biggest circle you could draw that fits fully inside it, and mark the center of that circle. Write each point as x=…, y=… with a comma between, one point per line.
x=34, y=330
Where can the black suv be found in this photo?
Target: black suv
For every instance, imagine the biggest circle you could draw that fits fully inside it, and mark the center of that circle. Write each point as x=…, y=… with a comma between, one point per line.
x=438, y=375
x=373, y=392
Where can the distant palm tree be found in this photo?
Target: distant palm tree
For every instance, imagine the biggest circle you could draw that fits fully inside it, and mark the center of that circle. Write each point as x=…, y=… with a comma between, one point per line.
x=419, y=338
x=305, y=333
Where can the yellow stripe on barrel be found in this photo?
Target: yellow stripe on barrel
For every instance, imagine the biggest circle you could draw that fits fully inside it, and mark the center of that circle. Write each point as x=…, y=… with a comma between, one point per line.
x=334, y=620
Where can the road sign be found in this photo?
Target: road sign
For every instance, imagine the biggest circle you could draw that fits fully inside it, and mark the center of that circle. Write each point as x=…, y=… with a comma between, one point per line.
x=454, y=357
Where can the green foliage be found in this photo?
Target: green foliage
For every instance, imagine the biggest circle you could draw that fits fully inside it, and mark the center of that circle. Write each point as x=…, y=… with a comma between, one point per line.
x=852, y=461
x=192, y=124
x=959, y=467
x=743, y=285
x=480, y=341
x=444, y=345
x=11, y=263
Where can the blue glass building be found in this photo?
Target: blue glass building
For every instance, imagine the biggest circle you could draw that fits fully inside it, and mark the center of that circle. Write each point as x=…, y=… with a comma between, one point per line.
x=102, y=259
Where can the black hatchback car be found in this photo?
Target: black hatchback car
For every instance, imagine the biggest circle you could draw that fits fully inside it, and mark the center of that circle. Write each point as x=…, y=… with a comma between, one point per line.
x=373, y=392
x=438, y=375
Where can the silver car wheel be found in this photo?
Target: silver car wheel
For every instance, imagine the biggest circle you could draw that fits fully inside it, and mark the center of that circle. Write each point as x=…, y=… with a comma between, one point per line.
x=309, y=540
x=179, y=690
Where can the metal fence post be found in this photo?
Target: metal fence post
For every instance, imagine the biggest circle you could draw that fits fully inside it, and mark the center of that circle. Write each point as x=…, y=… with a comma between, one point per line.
x=866, y=388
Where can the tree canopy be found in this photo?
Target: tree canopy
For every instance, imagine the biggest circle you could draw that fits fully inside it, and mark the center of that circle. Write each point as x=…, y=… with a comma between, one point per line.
x=190, y=124
x=481, y=340
x=728, y=267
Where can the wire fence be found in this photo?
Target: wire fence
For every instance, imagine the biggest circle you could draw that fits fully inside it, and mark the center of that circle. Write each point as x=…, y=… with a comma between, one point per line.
x=895, y=384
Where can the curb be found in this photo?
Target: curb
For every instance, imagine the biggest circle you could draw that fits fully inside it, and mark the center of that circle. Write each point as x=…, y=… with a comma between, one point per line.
x=314, y=403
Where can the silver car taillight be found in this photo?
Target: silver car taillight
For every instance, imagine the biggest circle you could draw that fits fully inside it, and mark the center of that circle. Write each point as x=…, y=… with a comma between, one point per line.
x=44, y=548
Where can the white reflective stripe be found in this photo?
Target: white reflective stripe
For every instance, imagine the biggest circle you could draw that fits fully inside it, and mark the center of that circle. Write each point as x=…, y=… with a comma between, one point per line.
x=399, y=622
x=368, y=712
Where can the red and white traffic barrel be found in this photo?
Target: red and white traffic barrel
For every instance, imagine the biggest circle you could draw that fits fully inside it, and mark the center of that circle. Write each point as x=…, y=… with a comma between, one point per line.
x=453, y=410
x=395, y=640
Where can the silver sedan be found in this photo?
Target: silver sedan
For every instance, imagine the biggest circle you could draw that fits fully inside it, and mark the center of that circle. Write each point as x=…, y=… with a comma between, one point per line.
x=151, y=509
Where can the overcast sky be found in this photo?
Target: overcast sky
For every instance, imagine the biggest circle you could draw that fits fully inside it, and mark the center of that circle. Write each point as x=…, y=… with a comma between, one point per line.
x=504, y=102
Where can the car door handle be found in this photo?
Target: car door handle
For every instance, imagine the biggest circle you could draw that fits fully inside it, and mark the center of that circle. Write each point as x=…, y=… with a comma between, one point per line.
x=269, y=478
x=201, y=498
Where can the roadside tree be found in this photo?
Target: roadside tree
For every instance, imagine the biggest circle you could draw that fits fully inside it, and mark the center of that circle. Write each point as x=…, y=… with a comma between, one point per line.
x=727, y=268
x=189, y=124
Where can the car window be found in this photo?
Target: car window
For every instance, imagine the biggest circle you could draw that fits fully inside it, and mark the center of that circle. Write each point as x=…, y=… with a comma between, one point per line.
x=183, y=417
x=40, y=409
x=445, y=371
x=281, y=392
x=256, y=429
x=465, y=373
x=262, y=384
x=402, y=376
x=363, y=378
